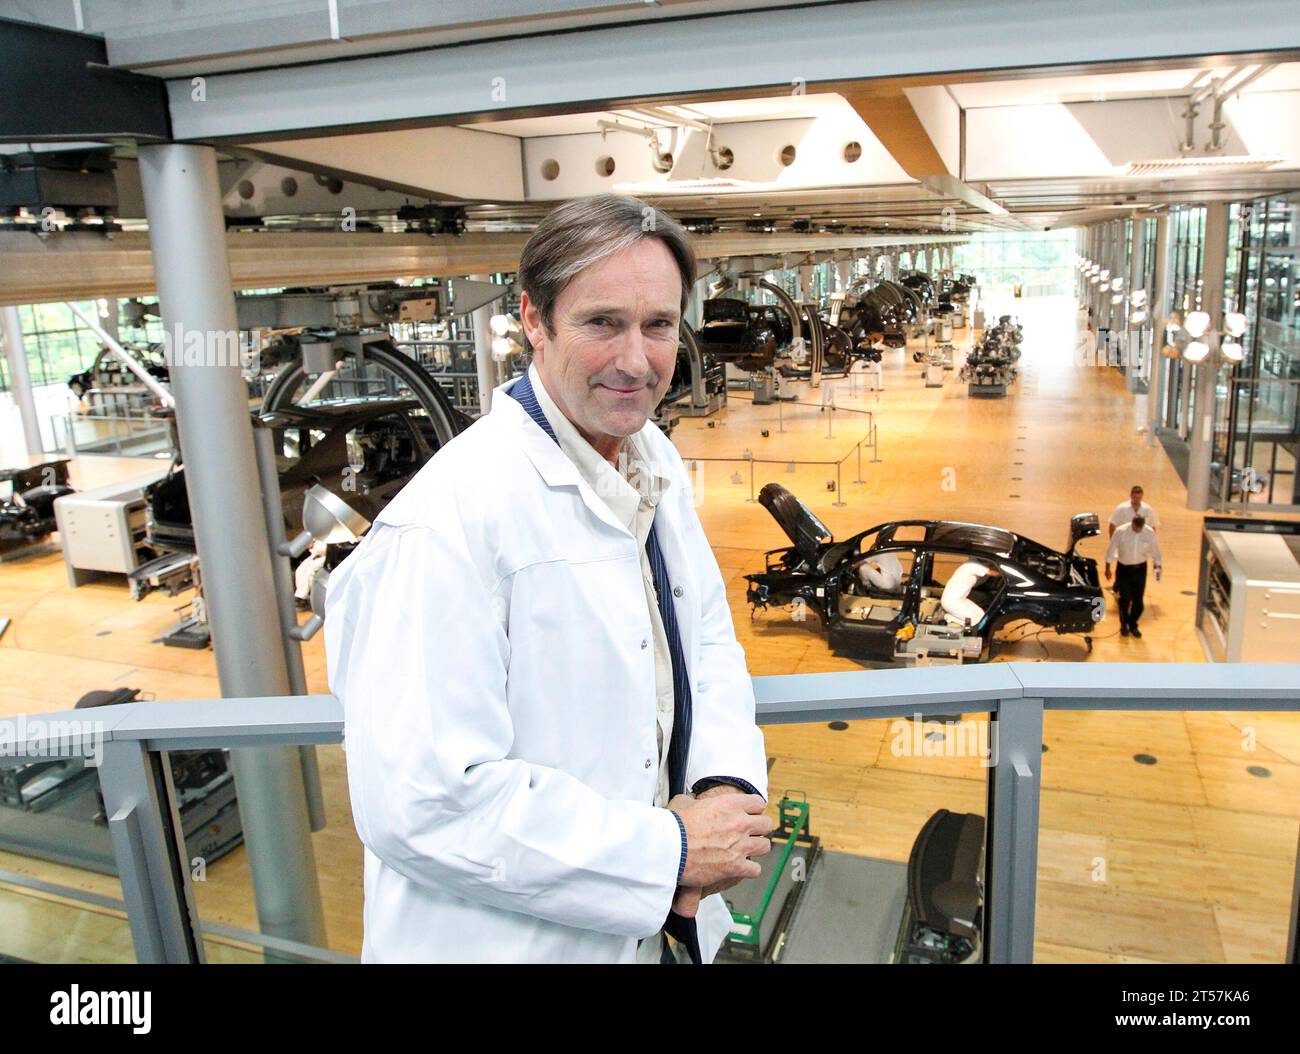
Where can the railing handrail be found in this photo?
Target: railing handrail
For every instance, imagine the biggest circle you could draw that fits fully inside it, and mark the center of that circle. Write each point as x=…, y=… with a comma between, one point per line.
x=156, y=886
x=782, y=699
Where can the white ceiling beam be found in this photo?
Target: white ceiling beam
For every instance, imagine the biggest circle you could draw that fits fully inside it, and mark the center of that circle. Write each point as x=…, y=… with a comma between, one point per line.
x=605, y=65
x=81, y=266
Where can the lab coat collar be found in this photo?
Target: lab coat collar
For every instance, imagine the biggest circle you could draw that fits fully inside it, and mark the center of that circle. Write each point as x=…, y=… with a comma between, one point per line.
x=552, y=464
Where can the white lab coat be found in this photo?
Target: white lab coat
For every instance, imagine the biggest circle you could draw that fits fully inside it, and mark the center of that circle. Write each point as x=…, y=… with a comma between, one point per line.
x=491, y=643
x=956, y=601
x=888, y=578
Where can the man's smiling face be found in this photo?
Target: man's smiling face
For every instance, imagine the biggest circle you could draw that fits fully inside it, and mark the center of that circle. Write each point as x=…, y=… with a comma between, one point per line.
x=614, y=346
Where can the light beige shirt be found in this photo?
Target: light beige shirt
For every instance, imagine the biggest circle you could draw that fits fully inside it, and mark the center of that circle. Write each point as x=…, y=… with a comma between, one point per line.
x=631, y=491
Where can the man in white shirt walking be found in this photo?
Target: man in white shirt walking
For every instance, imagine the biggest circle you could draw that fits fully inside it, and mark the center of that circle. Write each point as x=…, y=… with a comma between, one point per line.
x=1135, y=506
x=1131, y=546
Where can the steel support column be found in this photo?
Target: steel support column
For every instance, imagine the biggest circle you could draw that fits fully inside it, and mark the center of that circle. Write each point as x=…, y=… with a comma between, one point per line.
x=20, y=379
x=1201, y=430
x=487, y=370
x=188, y=240
x=1158, y=312
x=1136, y=264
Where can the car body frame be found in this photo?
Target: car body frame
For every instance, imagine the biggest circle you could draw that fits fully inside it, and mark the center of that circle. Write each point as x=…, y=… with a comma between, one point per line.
x=1054, y=589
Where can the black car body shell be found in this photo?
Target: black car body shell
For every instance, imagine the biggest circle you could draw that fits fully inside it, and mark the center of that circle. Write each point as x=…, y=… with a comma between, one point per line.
x=1054, y=589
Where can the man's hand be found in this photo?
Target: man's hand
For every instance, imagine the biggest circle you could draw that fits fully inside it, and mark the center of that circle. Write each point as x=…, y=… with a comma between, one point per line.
x=725, y=827
x=1108, y=572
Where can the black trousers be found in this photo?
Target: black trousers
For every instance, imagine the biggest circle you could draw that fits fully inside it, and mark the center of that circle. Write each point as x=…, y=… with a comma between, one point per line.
x=1130, y=583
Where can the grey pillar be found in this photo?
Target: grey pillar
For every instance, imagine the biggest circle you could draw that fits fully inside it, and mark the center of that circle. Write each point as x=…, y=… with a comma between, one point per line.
x=1011, y=850
x=842, y=273
x=1089, y=288
x=187, y=236
x=1108, y=264
x=1201, y=430
x=695, y=303
x=20, y=379
x=109, y=322
x=1136, y=266
x=487, y=372
x=1158, y=298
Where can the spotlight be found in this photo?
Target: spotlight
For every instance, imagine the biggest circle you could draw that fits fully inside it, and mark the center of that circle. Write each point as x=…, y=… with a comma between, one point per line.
x=1232, y=351
x=1196, y=351
x=1117, y=298
x=1197, y=323
x=1117, y=284
x=1139, y=297
x=500, y=325
x=1139, y=316
x=1234, y=322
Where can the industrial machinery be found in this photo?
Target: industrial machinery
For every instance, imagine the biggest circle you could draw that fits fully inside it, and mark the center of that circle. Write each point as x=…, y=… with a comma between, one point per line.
x=902, y=621
x=762, y=910
x=1248, y=593
x=699, y=383
x=990, y=367
x=956, y=294
x=53, y=809
x=812, y=905
x=108, y=382
x=878, y=312
x=105, y=529
x=919, y=283
x=743, y=334
x=362, y=452
x=752, y=337
x=27, y=513
x=943, y=916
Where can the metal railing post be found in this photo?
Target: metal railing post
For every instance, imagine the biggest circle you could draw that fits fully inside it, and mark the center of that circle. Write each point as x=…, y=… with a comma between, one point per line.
x=150, y=850
x=1011, y=849
x=1293, y=940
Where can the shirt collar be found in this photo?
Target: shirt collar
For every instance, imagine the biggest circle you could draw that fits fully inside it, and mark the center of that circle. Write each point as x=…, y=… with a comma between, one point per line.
x=624, y=491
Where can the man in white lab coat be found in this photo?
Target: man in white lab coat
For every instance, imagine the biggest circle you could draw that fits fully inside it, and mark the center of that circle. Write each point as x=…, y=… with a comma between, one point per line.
x=955, y=599
x=549, y=725
x=883, y=572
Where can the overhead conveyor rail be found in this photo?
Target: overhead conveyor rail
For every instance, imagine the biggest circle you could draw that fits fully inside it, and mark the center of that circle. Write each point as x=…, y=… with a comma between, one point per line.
x=155, y=881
